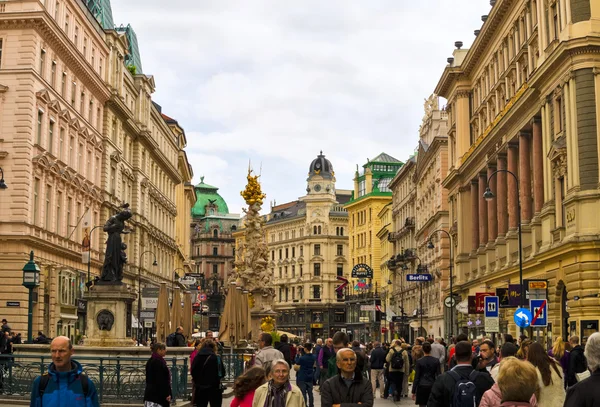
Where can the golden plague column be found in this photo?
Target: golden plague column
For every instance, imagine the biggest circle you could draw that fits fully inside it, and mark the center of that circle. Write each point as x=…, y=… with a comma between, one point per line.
x=251, y=273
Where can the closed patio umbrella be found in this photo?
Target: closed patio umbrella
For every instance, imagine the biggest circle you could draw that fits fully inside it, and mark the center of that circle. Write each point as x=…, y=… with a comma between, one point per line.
x=235, y=320
x=176, y=309
x=187, y=315
x=162, y=314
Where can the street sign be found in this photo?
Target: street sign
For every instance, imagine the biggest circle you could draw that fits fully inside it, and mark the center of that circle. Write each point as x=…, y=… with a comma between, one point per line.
x=491, y=306
x=539, y=311
x=492, y=324
x=202, y=297
x=13, y=303
x=187, y=281
x=522, y=317
x=362, y=271
x=449, y=302
x=368, y=307
x=419, y=277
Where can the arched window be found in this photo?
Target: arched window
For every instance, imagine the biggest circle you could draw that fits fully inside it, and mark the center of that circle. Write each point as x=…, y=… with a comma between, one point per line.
x=341, y=231
x=318, y=230
x=216, y=233
x=233, y=228
x=314, y=230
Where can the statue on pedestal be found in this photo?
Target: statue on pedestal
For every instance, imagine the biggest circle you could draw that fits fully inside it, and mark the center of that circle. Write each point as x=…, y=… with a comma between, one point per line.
x=115, y=256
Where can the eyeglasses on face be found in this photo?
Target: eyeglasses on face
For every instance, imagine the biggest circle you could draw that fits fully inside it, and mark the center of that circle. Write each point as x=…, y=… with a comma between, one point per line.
x=349, y=360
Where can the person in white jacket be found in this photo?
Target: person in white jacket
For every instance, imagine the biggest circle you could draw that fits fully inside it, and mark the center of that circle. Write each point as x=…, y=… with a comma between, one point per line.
x=552, y=390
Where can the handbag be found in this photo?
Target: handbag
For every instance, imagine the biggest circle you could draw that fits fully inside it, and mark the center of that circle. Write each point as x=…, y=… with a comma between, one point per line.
x=583, y=375
x=296, y=368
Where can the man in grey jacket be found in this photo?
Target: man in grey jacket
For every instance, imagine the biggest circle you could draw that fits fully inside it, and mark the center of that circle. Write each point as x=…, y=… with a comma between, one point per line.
x=349, y=386
x=438, y=351
x=266, y=352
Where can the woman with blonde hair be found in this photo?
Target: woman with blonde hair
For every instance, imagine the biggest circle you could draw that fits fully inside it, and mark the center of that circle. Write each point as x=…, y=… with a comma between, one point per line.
x=517, y=385
x=560, y=353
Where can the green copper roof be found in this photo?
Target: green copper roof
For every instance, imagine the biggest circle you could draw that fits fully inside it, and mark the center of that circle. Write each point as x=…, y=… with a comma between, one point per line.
x=102, y=12
x=207, y=196
x=133, y=58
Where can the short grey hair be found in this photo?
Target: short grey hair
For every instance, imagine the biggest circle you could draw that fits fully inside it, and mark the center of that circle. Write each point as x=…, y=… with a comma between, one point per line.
x=338, y=355
x=279, y=362
x=319, y=341
x=592, y=351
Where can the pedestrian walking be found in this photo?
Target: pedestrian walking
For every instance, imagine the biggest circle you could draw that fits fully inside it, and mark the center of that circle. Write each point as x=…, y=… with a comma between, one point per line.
x=266, y=352
x=586, y=393
x=349, y=387
x=306, y=362
x=471, y=382
x=245, y=386
x=509, y=349
x=517, y=385
x=285, y=348
x=438, y=350
x=65, y=384
x=560, y=353
x=577, y=361
x=206, y=374
x=486, y=359
x=399, y=365
x=427, y=369
x=377, y=362
x=325, y=354
x=278, y=392
x=317, y=352
x=552, y=391
x=158, y=378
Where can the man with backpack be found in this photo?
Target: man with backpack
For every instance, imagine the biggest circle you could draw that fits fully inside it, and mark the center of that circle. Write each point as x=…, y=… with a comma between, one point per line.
x=64, y=385
x=399, y=366
x=176, y=339
x=462, y=386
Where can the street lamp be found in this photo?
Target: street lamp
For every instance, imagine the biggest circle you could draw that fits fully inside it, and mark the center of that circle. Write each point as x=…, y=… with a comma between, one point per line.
x=421, y=269
x=154, y=263
x=488, y=195
x=431, y=246
x=176, y=277
x=2, y=183
x=31, y=279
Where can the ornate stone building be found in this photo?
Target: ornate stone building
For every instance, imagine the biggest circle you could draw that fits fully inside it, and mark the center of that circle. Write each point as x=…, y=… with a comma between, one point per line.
x=212, y=248
x=79, y=136
x=404, y=298
x=308, y=249
x=524, y=98
x=386, y=252
x=371, y=194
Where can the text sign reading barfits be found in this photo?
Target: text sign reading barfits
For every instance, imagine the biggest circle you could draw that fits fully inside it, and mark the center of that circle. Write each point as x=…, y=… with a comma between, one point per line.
x=491, y=307
x=419, y=277
x=362, y=271
x=539, y=312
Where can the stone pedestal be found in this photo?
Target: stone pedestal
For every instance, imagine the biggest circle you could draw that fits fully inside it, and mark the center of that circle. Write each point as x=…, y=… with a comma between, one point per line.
x=107, y=315
x=262, y=308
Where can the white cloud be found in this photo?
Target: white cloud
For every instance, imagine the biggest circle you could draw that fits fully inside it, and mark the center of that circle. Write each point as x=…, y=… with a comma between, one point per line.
x=275, y=81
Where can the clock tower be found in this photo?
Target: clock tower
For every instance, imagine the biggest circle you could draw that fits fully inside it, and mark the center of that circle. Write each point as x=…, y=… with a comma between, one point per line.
x=321, y=179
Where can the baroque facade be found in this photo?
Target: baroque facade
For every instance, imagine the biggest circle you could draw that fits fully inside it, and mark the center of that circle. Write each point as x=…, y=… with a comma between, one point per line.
x=524, y=98
x=308, y=250
x=63, y=88
x=371, y=195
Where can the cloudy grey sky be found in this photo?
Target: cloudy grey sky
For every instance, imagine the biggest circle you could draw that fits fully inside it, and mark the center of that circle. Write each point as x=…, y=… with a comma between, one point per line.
x=275, y=81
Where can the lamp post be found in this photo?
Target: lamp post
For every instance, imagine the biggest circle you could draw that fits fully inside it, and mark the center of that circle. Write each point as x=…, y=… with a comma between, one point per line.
x=154, y=263
x=31, y=279
x=2, y=183
x=431, y=246
x=488, y=195
x=175, y=277
x=88, y=285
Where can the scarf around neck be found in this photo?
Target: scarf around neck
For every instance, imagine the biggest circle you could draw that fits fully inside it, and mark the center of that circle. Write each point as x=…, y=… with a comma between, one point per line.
x=162, y=360
x=276, y=395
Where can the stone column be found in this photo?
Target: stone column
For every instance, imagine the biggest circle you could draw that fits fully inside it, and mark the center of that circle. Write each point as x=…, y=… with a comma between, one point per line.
x=502, y=204
x=538, y=165
x=483, y=211
x=475, y=213
x=492, y=217
x=525, y=175
x=513, y=204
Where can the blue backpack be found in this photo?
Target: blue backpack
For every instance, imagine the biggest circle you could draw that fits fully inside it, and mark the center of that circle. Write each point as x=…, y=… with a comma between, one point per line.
x=465, y=391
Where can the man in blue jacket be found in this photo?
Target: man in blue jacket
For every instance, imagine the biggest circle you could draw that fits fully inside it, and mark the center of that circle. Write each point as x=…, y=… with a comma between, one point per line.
x=64, y=385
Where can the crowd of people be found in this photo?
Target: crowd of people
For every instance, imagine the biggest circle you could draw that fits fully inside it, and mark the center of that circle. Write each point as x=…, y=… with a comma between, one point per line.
x=463, y=373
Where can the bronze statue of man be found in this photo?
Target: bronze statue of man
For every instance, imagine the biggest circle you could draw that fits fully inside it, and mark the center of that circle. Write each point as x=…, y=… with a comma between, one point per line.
x=112, y=270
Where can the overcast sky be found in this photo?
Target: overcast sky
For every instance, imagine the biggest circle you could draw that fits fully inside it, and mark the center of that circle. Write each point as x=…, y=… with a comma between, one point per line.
x=277, y=81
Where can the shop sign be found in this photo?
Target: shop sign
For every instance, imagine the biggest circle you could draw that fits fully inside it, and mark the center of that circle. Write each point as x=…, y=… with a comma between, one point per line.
x=363, y=319
x=369, y=307
x=317, y=326
x=480, y=302
x=81, y=306
x=514, y=295
x=147, y=314
x=472, y=307
x=362, y=271
x=536, y=289
x=502, y=294
x=148, y=324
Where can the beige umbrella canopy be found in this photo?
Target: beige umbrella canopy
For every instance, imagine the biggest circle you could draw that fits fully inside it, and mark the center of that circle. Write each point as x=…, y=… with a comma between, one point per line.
x=187, y=315
x=176, y=314
x=235, y=320
x=162, y=314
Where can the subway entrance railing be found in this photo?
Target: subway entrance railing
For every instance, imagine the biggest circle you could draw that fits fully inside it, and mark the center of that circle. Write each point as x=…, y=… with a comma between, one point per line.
x=121, y=379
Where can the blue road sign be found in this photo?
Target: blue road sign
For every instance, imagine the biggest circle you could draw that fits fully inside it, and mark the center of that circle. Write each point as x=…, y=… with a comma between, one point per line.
x=522, y=317
x=418, y=277
x=492, y=307
x=539, y=312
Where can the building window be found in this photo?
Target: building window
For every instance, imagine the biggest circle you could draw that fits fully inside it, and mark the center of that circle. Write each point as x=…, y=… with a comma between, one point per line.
x=280, y=294
x=300, y=296
x=317, y=249
x=91, y=111
x=340, y=269
x=53, y=74
x=215, y=268
x=293, y=293
x=287, y=292
x=342, y=231
x=340, y=250
x=67, y=288
x=301, y=251
x=317, y=270
x=272, y=254
x=58, y=223
x=316, y=292
x=39, y=126
x=50, y=136
x=61, y=141
x=48, y=207
x=63, y=84
x=69, y=212
x=215, y=251
x=287, y=252
x=73, y=92
x=301, y=269
x=293, y=271
x=280, y=272
x=42, y=62
x=0, y=53
x=81, y=102
x=280, y=254
x=293, y=252
x=36, y=203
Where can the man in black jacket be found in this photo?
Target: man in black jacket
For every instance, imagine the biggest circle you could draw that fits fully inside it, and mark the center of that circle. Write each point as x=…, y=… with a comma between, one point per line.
x=284, y=347
x=347, y=387
x=577, y=362
x=377, y=362
x=442, y=393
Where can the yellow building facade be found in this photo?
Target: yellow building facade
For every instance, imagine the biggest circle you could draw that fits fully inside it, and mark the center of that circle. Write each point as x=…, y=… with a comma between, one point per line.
x=525, y=98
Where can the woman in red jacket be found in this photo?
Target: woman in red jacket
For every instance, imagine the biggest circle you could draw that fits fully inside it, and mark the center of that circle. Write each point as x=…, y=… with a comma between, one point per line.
x=245, y=385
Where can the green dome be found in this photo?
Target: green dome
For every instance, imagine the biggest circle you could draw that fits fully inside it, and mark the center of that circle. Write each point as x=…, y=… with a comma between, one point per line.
x=207, y=197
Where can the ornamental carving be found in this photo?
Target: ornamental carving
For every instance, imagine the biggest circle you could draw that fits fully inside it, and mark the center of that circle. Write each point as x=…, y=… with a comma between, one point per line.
x=558, y=157
x=105, y=320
